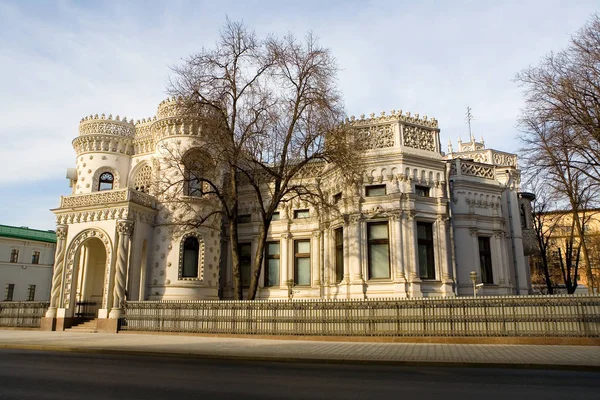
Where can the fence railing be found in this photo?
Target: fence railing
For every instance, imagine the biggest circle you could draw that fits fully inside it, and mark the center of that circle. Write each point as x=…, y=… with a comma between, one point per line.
x=22, y=314
x=541, y=316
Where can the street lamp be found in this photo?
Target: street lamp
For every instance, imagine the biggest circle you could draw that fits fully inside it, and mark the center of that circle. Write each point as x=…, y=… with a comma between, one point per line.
x=473, y=276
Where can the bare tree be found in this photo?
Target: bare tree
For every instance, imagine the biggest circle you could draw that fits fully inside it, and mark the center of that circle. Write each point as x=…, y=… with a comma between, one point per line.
x=271, y=116
x=561, y=123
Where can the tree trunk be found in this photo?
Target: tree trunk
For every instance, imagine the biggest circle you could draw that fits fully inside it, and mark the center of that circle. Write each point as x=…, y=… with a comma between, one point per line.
x=233, y=237
x=586, y=258
x=258, y=260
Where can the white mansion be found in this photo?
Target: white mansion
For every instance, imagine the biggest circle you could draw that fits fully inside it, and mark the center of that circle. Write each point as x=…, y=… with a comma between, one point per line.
x=416, y=226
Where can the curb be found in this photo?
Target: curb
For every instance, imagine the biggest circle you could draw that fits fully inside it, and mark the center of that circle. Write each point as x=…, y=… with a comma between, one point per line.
x=301, y=360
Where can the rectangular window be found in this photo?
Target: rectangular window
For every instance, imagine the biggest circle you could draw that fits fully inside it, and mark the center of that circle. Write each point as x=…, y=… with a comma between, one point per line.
x=379, y=250
x=275, y=216
x=302, y=262
x=375, y=190
x=299, y=214
x=485, y=260
x=9, y=291
x=14, y=256
x=272, y=264
x=35, y=257
x=425, y=248
x=244, y=219
x=339, y=254
x=31, y=293
x=337, y=197
x=245, y=263
x=422, y=191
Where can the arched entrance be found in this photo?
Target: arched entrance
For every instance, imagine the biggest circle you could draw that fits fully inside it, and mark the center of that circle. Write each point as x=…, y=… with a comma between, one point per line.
x=91, y=267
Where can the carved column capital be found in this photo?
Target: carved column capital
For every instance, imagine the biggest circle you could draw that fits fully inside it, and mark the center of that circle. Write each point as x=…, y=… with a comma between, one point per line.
x=61, y=231
x=473, y=231
x=125, y=227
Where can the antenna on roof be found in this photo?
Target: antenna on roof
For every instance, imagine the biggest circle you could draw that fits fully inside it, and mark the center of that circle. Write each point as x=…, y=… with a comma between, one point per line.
x=469, y=118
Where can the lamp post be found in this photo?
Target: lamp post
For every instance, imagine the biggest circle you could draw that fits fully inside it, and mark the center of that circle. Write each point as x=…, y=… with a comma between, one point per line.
x=473, y=276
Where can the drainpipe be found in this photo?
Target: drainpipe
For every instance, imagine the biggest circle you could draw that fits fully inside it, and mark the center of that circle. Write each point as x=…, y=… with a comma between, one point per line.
x=512, y=233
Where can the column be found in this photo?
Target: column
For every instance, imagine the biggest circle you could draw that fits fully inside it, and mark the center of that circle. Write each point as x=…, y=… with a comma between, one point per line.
x=442, y=248
x=315, y=259
x=356, y=258
x=499, y=258
x=125, y=230
x=284, y=261
x=57, y=275
x=397, y=248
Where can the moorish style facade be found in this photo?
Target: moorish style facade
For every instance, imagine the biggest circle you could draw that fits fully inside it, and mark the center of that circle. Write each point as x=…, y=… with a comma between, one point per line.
x=415, y=226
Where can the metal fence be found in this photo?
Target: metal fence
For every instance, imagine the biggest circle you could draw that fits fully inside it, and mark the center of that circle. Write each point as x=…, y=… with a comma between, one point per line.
x=22, y=314
x=540, y=316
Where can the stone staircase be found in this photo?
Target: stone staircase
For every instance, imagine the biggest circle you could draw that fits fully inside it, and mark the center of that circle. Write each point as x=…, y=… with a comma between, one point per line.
x=90, y=325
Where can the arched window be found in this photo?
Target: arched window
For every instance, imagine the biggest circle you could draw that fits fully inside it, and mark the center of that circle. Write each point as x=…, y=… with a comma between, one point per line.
x=198, y=172
x=191, y=250
x=106, y=181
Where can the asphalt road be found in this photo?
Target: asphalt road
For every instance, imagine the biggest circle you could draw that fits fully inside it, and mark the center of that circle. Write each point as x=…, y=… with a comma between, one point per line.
x=53, y=375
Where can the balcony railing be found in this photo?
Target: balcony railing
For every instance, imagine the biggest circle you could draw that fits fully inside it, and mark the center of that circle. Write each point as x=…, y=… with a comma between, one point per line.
x=107, y=197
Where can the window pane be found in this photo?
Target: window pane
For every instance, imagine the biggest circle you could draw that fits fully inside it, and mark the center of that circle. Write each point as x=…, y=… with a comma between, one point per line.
x=273, y=248
x=191, y=248
x=301, y=214
x=273, y=272
x=423, y=262
x=303, y=246
x=339, y=254
x=378, y=231
x=303, y=271
x=377, y=190
x=245, y=263
x=275, y=216
x=379, y=261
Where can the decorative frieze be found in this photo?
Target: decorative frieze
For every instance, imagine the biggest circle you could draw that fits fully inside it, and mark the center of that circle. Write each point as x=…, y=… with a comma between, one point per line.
x=418, y=138
x=95, y=143
x=101, y=125
x=107, y=197
x=375, y=137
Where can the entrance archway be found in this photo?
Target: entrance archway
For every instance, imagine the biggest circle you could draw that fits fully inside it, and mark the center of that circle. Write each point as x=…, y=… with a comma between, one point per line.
x=91, y=258
x=87, y=274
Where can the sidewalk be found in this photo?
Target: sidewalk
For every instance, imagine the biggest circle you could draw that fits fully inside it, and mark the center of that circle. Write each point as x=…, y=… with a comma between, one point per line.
x=538, y=356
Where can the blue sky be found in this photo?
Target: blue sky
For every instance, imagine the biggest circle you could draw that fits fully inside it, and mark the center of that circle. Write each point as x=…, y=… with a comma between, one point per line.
x=62, y=60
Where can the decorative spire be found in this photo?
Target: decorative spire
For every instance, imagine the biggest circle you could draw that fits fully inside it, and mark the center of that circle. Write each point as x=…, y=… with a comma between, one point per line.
x=469, y=118
x=449, y=146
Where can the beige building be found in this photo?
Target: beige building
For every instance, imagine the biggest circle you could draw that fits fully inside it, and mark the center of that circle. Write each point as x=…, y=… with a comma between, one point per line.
x=26, y=259
x=416, y=225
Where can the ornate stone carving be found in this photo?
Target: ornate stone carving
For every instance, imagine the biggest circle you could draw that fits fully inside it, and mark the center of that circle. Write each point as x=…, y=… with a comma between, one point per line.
x=375, y=137
x=106, y=197
x=419, y=138
x=95, y=143
x=94, y=125
x=125, y=227
x=476, y=169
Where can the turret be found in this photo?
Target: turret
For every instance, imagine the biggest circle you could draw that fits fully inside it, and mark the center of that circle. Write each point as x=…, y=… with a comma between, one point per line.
x=104, y=148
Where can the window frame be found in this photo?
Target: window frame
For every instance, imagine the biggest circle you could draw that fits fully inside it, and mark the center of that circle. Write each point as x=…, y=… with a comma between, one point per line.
x=31, y=292
x=371, y=189
x=200, y=264
x=430, y=251
x=103, y=179
x=9, y=292
x=297, y=257
x=297, y=213
x=14, y=255
x=269, y=256
x=338, y=243
x=487, y=270
x=422, y=191
x=372, y=242
x=35, y=257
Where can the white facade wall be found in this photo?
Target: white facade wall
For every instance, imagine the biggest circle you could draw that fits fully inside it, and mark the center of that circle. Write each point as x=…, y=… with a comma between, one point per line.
x=23, y=272
x=454, y=198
